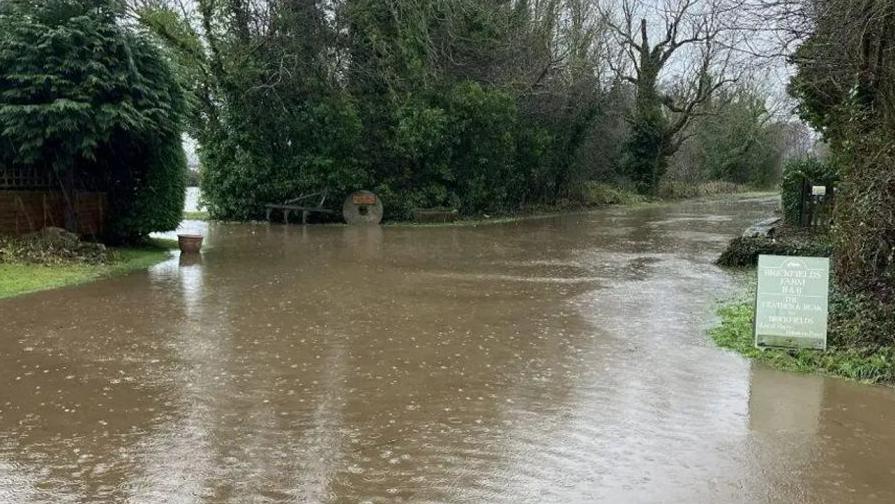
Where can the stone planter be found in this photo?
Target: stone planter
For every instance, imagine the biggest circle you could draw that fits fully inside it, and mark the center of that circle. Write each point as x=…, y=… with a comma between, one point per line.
x=189, y=244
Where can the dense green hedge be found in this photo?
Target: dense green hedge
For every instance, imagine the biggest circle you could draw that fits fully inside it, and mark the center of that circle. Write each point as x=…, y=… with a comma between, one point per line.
x=860, y=320
x=83, y=94
x=466, y=148
x=147, y=192
x=795, y=172
x=263, y=159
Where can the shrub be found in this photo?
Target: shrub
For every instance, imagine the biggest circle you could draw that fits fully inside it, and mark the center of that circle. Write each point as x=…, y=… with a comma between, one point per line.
x=744, y=251
x=483, y=161
x=51, y=246
x=670, y=189
x=795, y=173
x=263, y=159
x=148, y=195
x=861, y=320
x=597, y=194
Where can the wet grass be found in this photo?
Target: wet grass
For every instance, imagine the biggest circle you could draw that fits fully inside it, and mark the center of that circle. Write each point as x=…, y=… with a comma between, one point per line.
x=23, y=278
x=870, y=364
x=484, y=220
x=200, y=216
x=595, y=196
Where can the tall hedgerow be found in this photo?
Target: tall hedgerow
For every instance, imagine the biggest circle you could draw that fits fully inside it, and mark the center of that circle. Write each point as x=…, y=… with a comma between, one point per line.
x=96, y=102
x=844, y=84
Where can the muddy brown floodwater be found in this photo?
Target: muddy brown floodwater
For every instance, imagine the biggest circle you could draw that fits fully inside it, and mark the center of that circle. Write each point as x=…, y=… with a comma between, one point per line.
x=556, y=360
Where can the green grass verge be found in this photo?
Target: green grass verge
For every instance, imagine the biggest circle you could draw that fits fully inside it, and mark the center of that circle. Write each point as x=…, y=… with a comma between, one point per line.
x=870, y=365
x=19, y=278
x=592, y=196
x=202, y=216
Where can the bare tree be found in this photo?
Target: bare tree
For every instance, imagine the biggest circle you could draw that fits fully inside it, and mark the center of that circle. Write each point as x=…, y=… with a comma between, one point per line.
x=674, y=69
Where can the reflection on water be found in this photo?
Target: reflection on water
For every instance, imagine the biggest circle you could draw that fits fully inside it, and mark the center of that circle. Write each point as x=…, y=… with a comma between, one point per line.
x=782, y=402
x=555, y=360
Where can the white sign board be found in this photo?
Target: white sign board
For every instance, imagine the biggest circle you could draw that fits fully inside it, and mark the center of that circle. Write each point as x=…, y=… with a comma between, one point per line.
x=791, y=304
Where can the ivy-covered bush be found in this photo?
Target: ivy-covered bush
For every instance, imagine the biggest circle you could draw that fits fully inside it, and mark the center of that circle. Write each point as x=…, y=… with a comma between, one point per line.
x=643, y=162
x=865, y=216
x=860, y=320
x=795, y=172
x=95, y=102
x=743, y=251
x=843, y=81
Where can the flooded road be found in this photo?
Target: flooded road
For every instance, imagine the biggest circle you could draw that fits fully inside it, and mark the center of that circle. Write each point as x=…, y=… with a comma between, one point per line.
x=555, y=360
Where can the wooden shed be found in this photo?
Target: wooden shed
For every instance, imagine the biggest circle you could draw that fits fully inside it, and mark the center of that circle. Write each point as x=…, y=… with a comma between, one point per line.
x=31, y=200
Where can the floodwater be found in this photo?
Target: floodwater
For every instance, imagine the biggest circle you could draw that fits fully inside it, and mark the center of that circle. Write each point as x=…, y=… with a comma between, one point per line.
x=556, y=360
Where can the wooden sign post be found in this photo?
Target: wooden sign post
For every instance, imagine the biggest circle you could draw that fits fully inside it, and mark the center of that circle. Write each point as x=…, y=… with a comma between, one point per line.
x=791, y=304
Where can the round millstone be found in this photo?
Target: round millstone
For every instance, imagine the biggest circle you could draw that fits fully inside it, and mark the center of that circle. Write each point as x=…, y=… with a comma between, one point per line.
x=362, y=207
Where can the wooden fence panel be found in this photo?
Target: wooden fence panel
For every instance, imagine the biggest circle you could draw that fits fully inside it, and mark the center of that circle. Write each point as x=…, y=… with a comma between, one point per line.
x=24, y=212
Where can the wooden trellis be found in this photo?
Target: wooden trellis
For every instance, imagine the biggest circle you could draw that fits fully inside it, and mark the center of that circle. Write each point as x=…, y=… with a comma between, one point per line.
x=20, y=178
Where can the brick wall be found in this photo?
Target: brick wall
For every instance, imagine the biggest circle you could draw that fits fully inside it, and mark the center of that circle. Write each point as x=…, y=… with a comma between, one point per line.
x=28, y=211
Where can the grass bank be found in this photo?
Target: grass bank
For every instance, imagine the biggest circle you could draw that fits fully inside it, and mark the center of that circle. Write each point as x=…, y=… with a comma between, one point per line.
x=200, y=216
x=17, y=278
x=588, y=196
x=594, y=196
x=870, y=364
